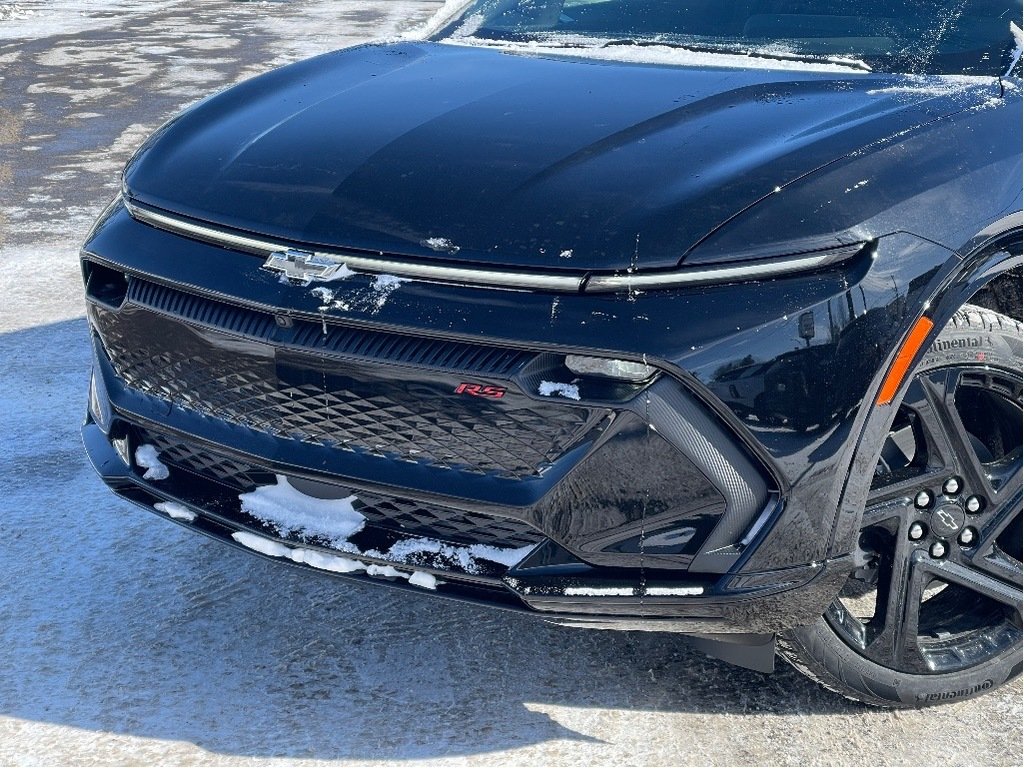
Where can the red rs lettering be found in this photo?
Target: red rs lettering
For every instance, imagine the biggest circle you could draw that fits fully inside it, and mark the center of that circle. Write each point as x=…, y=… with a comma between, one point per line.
x=481, y=390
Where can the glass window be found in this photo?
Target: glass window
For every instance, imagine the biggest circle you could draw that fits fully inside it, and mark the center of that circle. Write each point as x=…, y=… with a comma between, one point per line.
x=913, y=36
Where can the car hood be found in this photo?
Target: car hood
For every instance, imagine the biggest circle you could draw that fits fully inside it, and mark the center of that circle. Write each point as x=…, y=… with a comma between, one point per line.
x=469, y=154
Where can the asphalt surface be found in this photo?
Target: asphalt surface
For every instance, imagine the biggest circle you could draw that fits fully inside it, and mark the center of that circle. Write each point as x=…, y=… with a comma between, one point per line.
x=126, y=640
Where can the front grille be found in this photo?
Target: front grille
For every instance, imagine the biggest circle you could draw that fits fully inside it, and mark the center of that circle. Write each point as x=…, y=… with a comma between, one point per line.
x=189, y=456
x=391, y=513
x=435, y=522
x=378, y=346
x=295, y=387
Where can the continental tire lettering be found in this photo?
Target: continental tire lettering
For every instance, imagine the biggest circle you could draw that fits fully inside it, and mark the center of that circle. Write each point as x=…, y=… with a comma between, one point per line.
x=962, y=342
x=946, y=695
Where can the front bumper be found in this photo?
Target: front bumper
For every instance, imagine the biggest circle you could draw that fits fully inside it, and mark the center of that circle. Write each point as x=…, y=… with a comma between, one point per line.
x=643, y=505
x=548, y=581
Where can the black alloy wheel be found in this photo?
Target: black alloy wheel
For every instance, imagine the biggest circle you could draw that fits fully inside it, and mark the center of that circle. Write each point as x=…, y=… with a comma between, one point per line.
x=932, y=612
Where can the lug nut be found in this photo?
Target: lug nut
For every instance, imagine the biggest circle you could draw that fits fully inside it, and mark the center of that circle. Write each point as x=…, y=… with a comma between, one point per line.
x=916, y=532
x=974, y=504
x=952, y=486
x=967, y=537
x=938, y=550
x=923, y=500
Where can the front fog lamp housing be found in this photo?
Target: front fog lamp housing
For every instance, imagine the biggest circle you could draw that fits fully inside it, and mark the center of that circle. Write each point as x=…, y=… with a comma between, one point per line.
x=621, y=370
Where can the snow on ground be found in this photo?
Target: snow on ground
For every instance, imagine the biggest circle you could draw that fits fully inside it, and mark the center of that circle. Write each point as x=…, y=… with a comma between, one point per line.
x=128, y=640
x=324, y=26
x=40, y=18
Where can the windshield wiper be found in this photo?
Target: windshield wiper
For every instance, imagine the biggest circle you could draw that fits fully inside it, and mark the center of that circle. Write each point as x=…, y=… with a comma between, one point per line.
x=753, y=53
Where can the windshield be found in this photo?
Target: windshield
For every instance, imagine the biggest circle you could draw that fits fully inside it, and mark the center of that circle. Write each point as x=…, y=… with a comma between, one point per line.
x=969, y=37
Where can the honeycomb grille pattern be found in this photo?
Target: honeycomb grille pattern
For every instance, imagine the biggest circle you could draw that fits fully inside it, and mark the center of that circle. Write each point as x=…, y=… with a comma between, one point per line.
x=205, y=463
x=419, y=519
x=392, y=513
x=389, y=411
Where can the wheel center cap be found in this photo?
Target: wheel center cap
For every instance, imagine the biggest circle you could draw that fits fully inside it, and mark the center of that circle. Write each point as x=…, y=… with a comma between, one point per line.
x=947, y=520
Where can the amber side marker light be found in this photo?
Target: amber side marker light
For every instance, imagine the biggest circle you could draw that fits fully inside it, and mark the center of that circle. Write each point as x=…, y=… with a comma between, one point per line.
x=903, y=360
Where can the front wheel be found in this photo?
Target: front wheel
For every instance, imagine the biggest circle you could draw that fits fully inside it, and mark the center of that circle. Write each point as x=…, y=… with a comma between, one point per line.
x=933, y=611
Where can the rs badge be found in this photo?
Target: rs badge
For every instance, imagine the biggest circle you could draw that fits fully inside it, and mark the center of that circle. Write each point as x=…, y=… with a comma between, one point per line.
x=480, y=390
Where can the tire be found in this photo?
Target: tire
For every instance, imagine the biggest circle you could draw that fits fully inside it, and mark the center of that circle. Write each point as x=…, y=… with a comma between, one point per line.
x=933, y=612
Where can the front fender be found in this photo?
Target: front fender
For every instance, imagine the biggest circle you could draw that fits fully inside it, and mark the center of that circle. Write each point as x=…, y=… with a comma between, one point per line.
x=996, y=251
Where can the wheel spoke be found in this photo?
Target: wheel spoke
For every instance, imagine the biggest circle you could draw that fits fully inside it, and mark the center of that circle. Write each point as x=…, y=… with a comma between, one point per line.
x=921, y=399
x=987, y=556
x=944, y=425
x=995, y=522
x=886, y=500
x=1008, y=476
x=892, y=634
x=891, y=506
x=975, y=580
x=1001, y=566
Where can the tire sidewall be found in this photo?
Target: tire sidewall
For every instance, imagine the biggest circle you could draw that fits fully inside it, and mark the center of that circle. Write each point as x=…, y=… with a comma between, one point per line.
x=886, y=687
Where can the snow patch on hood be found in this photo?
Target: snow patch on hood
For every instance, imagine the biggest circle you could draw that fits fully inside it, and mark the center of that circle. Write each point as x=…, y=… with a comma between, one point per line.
x=326, y=296
x=441, y=244
x=934, y=85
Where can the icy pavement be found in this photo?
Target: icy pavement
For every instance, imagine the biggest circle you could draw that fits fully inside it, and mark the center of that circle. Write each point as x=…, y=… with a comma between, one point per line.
x=124, y=639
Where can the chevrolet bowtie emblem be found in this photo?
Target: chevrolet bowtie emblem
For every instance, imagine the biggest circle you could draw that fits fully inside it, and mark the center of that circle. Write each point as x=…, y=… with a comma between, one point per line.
x=302, y=267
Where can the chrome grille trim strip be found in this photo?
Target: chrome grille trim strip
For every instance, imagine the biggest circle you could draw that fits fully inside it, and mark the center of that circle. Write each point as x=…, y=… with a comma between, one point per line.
x=429, y=272
x=742, y=272
x=703, y=276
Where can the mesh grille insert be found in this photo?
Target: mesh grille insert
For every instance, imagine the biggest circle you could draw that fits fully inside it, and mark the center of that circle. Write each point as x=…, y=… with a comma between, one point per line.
x=391, y=513
x=371, y=407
